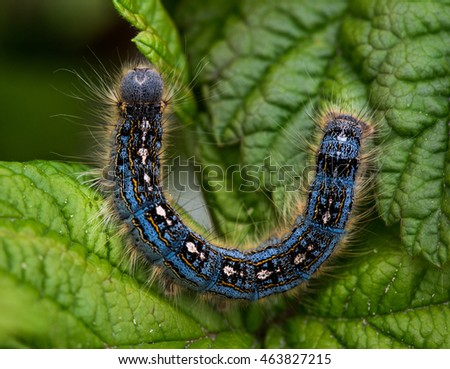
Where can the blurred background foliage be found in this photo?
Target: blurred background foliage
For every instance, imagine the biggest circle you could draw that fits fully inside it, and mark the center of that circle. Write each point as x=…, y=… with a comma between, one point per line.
x=39, y=41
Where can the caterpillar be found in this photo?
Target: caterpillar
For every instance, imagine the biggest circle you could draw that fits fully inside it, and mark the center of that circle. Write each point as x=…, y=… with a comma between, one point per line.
x=161, y=236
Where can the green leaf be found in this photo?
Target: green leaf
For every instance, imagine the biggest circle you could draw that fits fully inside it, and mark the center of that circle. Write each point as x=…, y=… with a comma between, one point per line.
x=273, y=63
x=64, y=271
x=402, y=49
x=159, y=42
x=388, y=299
x=64, y=278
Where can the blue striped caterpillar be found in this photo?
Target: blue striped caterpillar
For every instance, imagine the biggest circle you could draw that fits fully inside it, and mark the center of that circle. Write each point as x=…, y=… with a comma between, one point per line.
x=166, y=241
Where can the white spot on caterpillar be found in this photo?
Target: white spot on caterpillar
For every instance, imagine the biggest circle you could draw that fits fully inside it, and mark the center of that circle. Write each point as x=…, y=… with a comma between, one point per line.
x=145, y=124
x=147, y=180
x=143, y=153
x=263, y=274
x=300, y=258
x=228, y=270
x=160, y=211
x=202, y=256
x=327, y=216
x=191, y=248
x=342, y=137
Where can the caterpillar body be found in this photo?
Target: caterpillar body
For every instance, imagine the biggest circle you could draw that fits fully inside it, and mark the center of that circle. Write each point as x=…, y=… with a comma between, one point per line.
x=165, y=240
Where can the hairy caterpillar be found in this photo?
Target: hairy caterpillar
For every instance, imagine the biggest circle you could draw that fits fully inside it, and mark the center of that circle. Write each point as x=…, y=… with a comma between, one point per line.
x=166, y=241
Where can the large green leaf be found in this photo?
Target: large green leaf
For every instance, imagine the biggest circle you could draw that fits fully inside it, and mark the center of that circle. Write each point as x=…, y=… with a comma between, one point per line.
x=65, y=276
x=65, y=279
